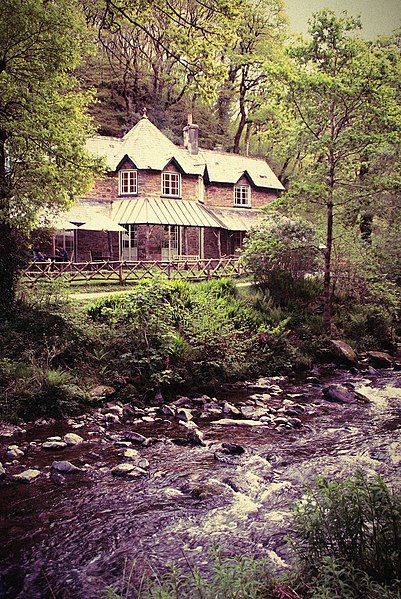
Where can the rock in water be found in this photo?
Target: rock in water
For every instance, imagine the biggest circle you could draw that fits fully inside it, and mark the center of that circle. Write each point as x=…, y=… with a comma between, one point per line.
x=233, y=448
x=65, y=466
x=195, y=437
x=27, y=476
x=343, y=352
x=134, y=437
x=380, y=359
x=338, y=394
x=72, y=439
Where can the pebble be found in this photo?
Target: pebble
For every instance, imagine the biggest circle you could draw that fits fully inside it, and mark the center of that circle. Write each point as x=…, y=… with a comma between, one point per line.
x=184, y=414
x=131, y=453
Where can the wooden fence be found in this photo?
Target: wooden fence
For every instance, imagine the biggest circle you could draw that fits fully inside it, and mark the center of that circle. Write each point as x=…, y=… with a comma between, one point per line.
x=131, y=271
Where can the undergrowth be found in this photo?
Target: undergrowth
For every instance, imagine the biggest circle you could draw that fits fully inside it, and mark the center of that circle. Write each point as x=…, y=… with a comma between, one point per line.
x=345, y=542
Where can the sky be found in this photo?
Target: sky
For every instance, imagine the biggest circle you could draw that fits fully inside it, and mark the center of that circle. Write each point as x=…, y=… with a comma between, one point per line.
x=378, y=16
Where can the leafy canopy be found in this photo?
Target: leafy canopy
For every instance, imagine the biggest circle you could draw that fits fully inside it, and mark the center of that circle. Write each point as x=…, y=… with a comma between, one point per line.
x=43, y=122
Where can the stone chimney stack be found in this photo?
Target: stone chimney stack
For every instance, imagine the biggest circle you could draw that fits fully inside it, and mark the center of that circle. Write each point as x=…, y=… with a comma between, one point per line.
x=191, y=133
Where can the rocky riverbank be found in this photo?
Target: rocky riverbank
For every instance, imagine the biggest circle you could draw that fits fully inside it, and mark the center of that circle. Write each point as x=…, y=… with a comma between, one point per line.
x=150, y=484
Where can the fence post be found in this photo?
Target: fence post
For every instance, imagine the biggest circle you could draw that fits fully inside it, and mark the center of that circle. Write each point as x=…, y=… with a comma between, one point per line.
x=209, y=268
x=169, y=270
x=120, y=273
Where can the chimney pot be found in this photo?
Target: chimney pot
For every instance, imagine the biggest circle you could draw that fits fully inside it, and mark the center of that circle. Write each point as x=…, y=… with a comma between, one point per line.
x=189, y=118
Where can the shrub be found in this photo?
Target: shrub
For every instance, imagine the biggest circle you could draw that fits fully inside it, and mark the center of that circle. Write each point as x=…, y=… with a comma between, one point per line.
x=357, y=521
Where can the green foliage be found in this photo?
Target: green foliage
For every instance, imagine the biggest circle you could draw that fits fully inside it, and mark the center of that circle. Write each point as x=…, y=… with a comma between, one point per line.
x=166, y=333
x=337, y=578
x=43, y=123
x=370, y=326
x=357, y=521
x=30, y=391
x=280, y=249
x=344, y=96
x=238, y=577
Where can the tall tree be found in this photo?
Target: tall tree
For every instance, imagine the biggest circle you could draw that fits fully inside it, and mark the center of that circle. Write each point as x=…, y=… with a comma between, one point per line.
x=259, y=39
x=43, y=126
x=343, y=91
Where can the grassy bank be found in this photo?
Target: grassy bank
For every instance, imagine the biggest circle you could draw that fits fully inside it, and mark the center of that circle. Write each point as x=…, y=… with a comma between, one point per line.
x=166, y=336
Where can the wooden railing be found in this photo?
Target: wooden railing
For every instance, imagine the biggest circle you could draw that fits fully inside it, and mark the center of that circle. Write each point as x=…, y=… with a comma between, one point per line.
x=131, y=271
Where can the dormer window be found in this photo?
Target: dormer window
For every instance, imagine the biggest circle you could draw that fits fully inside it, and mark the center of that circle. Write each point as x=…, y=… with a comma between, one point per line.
x=127, y=183
x=171, y=185
x=242, y=195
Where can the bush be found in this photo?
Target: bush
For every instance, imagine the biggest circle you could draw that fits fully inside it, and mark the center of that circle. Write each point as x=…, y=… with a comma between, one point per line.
x=167, y=334
x=357, y=521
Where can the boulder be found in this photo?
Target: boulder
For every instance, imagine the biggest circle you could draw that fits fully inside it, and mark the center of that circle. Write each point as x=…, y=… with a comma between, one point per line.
x=65, y=466
x=72, y=439
x=339, y=394
x=167, y=411
x=380, y=359
x=2, y=470
x=116, y=409
x=101, y=391
x=233, y=448
x=343, y=352
x=229, y=408
x=27, y=476
x=131, y=454
x=111, y=418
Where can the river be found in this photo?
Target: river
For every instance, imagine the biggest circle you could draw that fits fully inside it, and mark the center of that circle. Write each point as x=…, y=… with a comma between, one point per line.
x=70, y=535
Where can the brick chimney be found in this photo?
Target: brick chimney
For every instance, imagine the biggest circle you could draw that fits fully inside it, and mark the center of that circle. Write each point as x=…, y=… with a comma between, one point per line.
x=191, y=133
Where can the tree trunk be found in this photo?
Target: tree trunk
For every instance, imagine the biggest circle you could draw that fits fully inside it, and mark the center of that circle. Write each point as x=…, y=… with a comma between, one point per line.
x=327, y=291
x=243, y=117
x=327, y=296
x=10, y=250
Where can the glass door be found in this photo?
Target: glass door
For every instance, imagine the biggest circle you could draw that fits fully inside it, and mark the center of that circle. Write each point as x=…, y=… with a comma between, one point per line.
x=129, y=242
x=171, y=245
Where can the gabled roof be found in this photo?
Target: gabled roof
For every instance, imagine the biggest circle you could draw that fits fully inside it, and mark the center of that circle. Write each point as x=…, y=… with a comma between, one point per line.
x=229, y=168
x=148, y=148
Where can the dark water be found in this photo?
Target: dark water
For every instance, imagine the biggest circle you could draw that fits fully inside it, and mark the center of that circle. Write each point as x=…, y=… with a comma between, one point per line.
x=72, y=539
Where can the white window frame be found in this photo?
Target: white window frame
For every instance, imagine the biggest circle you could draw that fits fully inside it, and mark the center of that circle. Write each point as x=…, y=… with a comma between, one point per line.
x=167, y=178
x=242, y=195
x=128, y=182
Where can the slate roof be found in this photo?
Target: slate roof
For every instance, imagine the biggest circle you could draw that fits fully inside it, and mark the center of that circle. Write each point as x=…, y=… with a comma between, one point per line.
x=149, y=148
x=229, y=168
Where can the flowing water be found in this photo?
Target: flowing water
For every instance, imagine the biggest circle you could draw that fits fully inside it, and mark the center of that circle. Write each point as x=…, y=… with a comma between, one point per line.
x=70, y=537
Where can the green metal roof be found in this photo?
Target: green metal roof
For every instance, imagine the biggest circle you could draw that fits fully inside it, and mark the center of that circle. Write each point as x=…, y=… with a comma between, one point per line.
x=154, y=211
